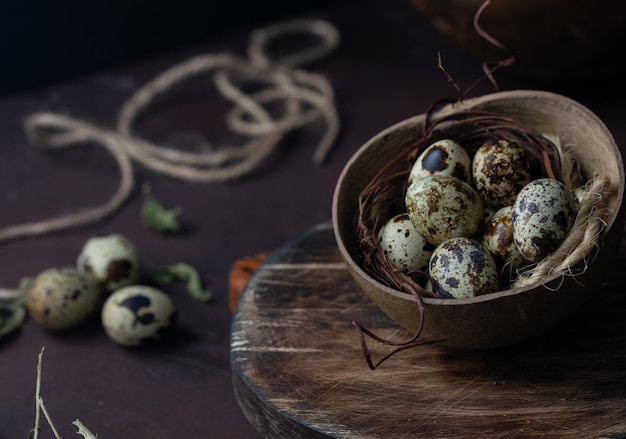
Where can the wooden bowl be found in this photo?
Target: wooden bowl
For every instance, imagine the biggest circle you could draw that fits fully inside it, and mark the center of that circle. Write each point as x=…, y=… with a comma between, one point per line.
x=552, y=39
x=509, y=316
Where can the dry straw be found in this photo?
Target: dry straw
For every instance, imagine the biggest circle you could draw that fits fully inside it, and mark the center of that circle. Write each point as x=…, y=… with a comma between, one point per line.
x=307, y=97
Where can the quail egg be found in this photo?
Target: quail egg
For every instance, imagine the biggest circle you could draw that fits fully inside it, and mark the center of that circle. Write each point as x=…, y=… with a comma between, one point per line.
x=442, y=207
x=62, y=298
x=444, y=157
x=500, y=169
x=137, y=315
x=404, y=246
x=461, y=268
x=543, y=214
x=498, y=239
x=111, y=259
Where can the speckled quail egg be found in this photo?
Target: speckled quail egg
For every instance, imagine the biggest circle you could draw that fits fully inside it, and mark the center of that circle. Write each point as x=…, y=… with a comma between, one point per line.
x=137, y=315
x=404, y=246
x=500, y=169
x=62, y=298
x=111, y=259
x=498, y=239
x=461, y=268
x=543, y=214
x=442, y=207
x=444, y=157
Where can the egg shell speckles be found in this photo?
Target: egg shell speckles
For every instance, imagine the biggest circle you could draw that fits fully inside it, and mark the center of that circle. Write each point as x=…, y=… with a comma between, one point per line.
x=498, y=239
x=404, y=246
x=137, y=315
x=462, y=268
x=442, y=207
x=444, y=157
x=111, y=259
x=62, y=298
x=500, y=170
x=543, y=214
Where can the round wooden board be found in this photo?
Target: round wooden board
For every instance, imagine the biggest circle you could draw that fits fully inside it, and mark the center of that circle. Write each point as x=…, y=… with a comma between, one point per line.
x=299, y=371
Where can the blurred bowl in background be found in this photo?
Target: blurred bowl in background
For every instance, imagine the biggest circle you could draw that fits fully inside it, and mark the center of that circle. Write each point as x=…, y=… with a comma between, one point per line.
x=552, y=39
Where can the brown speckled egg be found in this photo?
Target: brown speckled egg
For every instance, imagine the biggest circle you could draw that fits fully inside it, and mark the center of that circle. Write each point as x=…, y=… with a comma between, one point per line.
x=62, y=298
x=461, y=268
x=442, y=207
x=404, y=246
x=498, y=239
x=444, y=157
x=111, y=259
x=500, y=170
x=542, y=216
x=138, y=315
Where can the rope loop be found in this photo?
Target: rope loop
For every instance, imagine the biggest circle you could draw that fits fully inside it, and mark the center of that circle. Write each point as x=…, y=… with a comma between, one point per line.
x=307, y=97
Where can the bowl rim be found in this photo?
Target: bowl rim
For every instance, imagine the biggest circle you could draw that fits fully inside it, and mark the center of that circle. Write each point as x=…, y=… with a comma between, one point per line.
x=446, y=110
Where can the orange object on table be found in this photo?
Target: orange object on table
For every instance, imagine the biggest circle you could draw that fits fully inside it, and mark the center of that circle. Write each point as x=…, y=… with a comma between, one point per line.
x=239, y=274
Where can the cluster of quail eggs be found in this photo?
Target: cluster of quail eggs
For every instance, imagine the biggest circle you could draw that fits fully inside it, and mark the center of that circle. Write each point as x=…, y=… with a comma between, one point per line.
x=106, y=280
x=471, y=220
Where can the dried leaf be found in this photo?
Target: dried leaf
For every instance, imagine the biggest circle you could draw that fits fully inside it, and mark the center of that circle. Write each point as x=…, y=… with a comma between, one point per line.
x=184, y=272
x=83, y=430
x=12, y=317
x=158, y=218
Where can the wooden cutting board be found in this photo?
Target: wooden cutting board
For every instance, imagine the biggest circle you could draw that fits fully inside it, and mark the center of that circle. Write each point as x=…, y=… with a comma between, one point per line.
x=299, y=371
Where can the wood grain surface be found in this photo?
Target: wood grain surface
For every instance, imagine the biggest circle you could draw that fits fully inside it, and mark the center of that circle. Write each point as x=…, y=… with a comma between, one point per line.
x=299, y=372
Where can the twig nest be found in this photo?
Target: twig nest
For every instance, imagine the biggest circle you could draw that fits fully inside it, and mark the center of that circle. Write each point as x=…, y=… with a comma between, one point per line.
x=111, y=259
x=62, y=298
x=137, y=315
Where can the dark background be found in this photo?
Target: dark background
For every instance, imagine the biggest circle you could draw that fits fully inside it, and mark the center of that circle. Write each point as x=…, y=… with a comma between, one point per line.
x=43, y=42
x=85, y=60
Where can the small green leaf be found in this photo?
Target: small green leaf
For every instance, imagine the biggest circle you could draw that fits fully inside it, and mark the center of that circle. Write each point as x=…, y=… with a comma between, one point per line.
x=12, y=317
x=156, y=217
x=184, y=272
x=83, y=430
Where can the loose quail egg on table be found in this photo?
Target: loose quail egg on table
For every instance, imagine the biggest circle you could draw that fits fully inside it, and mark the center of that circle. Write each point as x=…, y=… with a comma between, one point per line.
x=542, y=216
x=111, y=259
x=62, y=298
x=404, y=246
x=137, y=315
x=444, y=157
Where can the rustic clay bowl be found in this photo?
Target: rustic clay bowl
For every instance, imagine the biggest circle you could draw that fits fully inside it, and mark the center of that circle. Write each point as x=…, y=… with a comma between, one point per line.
x=510, y=316
x=552, y=39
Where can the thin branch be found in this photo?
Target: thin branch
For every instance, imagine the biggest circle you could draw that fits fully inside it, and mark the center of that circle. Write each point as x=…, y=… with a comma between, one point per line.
x=48, y=418
x=443, y=69
x=37, y=395
x=491, y=40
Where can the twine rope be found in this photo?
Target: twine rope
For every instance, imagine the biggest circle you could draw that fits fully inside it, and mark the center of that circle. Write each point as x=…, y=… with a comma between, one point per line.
x=306, y=96
x=581, y=244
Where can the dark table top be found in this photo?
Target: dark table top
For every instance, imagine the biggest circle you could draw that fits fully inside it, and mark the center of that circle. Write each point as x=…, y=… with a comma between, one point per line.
x=385, y=70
